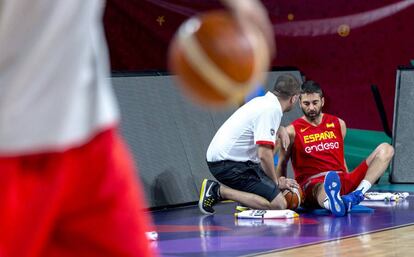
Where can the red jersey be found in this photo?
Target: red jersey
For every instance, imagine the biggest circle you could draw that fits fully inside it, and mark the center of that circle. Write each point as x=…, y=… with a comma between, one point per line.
x=317, y=149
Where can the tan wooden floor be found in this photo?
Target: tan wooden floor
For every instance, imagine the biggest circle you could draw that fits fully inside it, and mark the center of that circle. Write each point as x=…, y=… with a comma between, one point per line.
x=394, y=242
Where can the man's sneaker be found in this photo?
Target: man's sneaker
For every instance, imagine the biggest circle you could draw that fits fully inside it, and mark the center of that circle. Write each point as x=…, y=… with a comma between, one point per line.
x=352, y=199
x=208, y=196
x=332, y=186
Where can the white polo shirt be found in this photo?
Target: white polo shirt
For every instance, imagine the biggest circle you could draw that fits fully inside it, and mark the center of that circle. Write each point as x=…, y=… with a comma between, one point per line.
x=55, y=89
x=255, y=123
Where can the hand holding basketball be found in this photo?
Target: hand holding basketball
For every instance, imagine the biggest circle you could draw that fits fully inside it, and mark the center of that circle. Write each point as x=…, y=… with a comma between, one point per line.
x=294, y=198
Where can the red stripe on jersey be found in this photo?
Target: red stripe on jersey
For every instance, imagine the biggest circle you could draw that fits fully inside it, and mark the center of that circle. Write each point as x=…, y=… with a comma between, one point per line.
x=265, y=143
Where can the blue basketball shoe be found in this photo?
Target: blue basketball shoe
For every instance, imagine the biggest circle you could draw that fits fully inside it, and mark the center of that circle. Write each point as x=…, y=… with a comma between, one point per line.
x=332, y=186
x=352, y=199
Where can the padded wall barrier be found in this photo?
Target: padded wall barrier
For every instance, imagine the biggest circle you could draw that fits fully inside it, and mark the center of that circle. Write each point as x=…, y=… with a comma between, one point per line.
x=169, y=135
x=403, y=140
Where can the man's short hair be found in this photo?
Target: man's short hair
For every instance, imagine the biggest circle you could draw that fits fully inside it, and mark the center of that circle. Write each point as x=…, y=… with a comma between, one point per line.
x=311, y=87
x=286, y=86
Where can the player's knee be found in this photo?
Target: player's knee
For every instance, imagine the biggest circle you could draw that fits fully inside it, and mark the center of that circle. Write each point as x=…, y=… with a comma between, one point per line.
x=278, y=203
x=386, y=152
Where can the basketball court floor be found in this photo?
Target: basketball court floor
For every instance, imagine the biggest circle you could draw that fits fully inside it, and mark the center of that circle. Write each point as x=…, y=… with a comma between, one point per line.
x=383, y=229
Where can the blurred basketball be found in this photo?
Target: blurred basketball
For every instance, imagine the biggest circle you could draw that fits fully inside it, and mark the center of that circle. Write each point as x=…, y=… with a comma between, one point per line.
x=218, y=61
x=293, y=199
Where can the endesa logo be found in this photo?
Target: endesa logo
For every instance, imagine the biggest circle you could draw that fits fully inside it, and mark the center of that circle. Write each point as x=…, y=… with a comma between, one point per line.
x=319, y=137
x=322, y=147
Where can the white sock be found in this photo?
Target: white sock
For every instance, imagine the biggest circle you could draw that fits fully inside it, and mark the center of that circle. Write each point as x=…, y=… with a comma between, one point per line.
x=326, y=204
x=364, y=186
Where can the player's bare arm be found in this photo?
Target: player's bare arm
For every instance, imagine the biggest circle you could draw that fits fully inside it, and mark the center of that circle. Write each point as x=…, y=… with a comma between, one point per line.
x=283, y=135
x=284, y=154
x=265, y=153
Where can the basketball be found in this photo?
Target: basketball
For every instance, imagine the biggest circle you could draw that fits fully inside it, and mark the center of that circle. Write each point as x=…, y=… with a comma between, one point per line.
x=293, y=199
x=217, y=60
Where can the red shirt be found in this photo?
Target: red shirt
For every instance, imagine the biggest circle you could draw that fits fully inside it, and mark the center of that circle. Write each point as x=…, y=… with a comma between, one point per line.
x=317, y=149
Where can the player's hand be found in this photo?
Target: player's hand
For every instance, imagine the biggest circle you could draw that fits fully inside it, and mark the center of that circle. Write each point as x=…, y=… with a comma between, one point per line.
x=253, y=12
x=287, y=183
x=284, y=137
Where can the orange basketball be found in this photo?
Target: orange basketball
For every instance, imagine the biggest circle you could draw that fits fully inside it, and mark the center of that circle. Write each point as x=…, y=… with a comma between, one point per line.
x=218, y=60
x=293, y=199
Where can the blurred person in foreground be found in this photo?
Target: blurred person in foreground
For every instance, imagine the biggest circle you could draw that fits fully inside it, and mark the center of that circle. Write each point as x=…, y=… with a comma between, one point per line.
x=67, y=181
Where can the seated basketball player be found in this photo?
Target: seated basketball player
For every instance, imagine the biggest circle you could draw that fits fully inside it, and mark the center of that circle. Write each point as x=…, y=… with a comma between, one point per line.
x=240, y=156
x=316, y=151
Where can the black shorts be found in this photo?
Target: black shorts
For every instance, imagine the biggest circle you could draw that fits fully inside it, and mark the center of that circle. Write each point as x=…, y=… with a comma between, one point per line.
x=244, y=176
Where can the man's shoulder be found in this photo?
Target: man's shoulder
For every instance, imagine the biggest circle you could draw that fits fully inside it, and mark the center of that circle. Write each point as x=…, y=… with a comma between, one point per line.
x=331, y=116
x=332, y=119
x=298, y=121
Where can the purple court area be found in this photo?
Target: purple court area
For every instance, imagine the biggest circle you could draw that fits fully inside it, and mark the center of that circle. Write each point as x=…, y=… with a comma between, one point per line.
x=186, y=232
